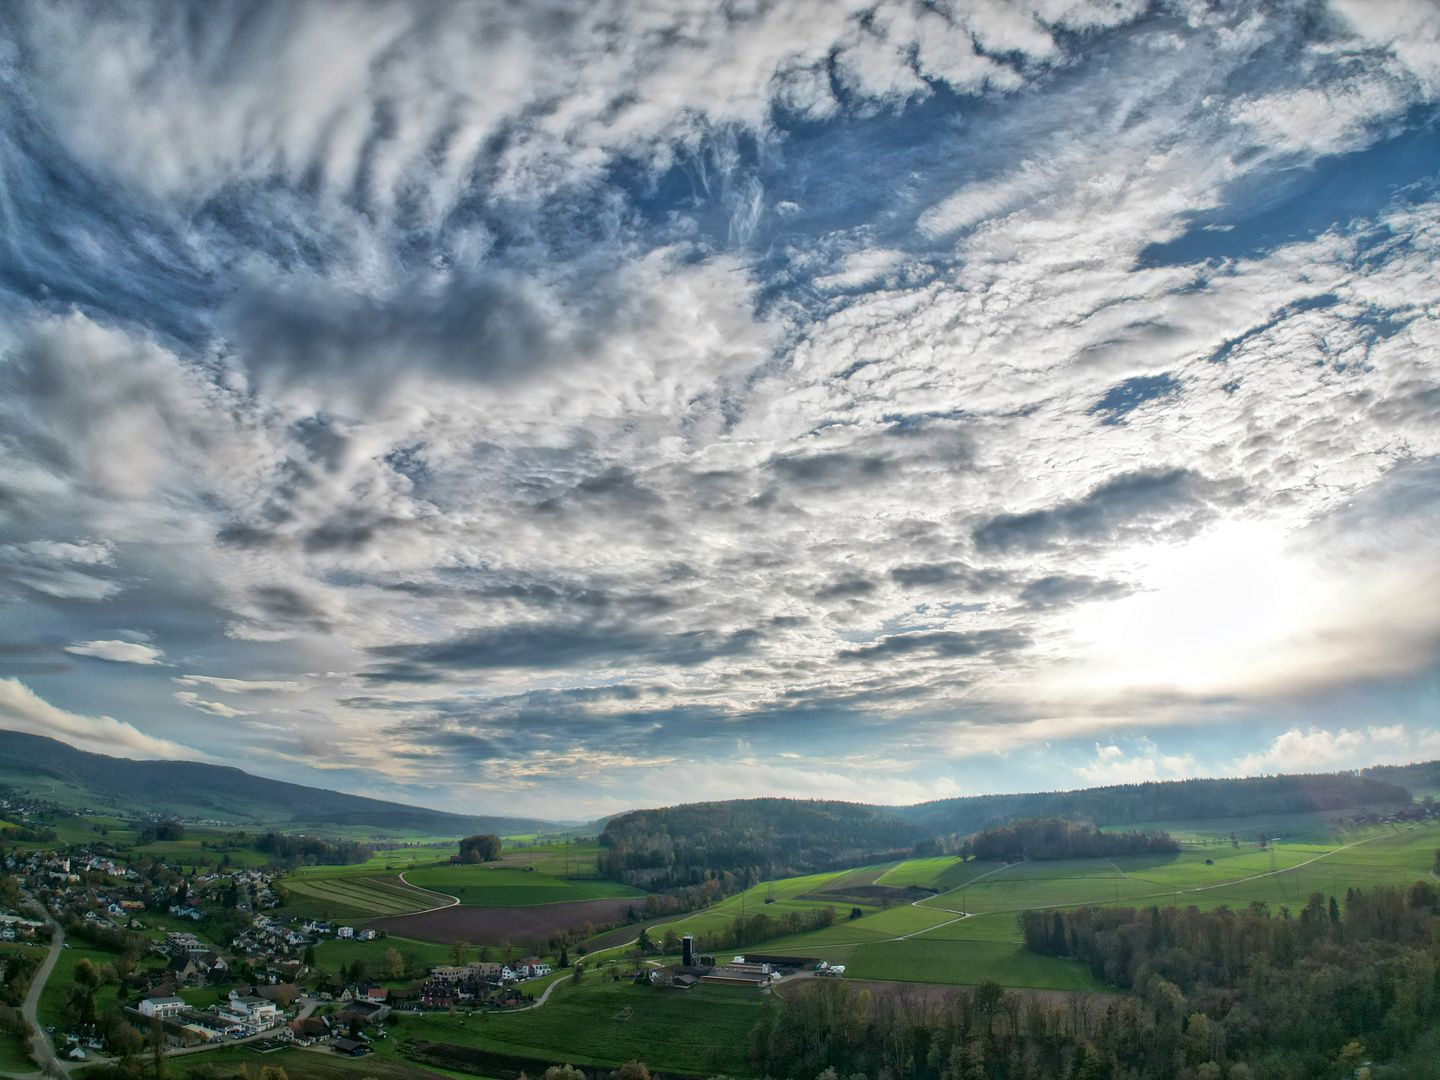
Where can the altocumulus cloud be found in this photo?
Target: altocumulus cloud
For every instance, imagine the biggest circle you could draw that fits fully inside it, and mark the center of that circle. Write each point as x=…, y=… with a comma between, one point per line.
x=590, y=389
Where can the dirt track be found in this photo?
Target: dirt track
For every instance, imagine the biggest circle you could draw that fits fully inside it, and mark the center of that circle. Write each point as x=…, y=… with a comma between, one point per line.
x=492, y=925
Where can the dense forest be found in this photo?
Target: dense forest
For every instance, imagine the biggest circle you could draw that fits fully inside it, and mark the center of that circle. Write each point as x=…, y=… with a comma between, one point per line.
x=1289, y=993
x=1053, y=838
x=684, y=845
x=1327, y=991
x=311, y=850
x=756, y=838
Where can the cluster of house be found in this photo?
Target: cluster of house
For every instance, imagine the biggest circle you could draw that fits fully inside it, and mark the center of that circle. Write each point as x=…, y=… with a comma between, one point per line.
x=268, y=945
x=451, y=984
x=244, y=1012
x=192, y=962
x=18, y=928
x=102, y=892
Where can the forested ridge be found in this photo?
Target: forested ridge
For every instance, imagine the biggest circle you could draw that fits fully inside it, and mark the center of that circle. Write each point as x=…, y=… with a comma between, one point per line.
x=1053, y=838
x=1164, y=800
x=756, y=838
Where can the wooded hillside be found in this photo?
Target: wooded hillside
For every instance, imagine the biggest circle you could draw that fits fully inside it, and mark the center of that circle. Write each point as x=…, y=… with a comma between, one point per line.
x=1052, y=838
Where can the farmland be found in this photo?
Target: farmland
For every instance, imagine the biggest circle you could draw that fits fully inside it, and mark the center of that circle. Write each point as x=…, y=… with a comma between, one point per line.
x=356, y=897
x=498, y=925
x=701, y=1030
x=968, y=932
x=505, y=886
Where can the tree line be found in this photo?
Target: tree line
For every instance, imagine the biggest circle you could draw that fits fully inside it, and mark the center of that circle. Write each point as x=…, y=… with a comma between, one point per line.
x=1053, y=838
x=687, y=845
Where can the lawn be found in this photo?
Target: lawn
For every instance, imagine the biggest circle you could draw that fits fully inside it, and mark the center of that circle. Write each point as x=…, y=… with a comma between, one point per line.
x=700, y=1030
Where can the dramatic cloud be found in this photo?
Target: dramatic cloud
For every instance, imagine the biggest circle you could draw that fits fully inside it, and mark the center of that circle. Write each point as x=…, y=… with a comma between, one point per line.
x=535, y=398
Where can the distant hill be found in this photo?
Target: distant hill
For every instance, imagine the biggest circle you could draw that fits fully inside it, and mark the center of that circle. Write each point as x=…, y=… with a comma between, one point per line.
x=1165, y=800
x=194, y=789
x=758, y=838
x=1422, y=778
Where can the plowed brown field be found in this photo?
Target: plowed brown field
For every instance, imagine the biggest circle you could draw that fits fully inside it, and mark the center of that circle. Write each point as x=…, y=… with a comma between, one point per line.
x=492, y=925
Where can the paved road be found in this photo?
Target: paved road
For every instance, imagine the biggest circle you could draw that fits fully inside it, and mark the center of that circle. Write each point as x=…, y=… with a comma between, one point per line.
x=42, y=1047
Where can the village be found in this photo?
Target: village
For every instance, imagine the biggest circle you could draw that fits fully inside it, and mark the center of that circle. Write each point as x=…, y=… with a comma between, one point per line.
x=261, y=972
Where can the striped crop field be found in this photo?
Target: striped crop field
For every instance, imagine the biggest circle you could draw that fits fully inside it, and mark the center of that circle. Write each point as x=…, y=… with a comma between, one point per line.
x=357, y=897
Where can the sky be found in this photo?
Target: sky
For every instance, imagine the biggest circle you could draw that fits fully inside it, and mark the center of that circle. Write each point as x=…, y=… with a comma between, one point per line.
x=558, y=408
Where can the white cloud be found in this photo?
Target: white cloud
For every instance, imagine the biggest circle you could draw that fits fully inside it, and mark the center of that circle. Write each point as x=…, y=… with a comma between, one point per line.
x=240, y=686
x=24, y=710
x=1112, y=765
x=214, y=708
x=120, y=652
x=1320, y=750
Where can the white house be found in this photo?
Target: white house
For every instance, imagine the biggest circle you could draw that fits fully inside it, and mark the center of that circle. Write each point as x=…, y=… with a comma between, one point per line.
x=162, y=1007
x=345, y=933
x=252, y=1013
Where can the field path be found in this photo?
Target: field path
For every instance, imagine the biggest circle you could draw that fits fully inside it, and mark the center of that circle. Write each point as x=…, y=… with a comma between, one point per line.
x=454, y=900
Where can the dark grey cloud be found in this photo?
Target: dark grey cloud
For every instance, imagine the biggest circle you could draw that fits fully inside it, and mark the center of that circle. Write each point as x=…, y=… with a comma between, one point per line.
x=847, y=588
x=940, y=644
x=1147, y=500
x=920, y=575
x=1058, y=590
x=486, y=329
x=836, y=469
x=548, y=646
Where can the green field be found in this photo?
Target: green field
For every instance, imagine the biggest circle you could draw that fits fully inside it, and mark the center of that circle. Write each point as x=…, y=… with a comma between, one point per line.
x=928, y=941
x=700, y=1030
x=504, y=886
x=331, y=954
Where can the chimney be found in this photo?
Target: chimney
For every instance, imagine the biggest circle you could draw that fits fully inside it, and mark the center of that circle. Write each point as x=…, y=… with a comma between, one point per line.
x=687, y=950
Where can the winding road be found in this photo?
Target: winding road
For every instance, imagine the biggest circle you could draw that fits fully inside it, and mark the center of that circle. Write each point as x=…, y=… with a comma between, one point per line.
x=42, y=1047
